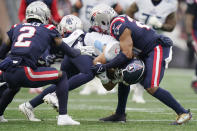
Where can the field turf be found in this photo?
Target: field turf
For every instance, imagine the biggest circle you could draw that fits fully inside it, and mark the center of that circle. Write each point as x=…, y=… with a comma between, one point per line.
x=151, y=116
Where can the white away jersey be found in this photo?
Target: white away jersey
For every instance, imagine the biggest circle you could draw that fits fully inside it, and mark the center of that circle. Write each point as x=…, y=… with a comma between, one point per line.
x=146, y=9
x=99, y=41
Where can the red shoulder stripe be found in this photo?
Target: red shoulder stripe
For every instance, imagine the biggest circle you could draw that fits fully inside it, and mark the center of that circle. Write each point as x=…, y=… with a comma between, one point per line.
x=13, y=26
x=50, y=26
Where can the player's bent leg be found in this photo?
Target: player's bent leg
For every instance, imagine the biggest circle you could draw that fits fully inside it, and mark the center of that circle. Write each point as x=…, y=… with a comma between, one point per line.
x=165, y=97
x=27, y=109
x=62, y=95
x=6, y=98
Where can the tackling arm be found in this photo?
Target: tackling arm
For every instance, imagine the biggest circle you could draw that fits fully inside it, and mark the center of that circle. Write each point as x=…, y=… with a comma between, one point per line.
x=126, y=46
x=66, y=49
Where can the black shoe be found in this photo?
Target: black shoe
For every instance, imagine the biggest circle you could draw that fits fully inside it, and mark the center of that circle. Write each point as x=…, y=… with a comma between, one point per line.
x=114, y=118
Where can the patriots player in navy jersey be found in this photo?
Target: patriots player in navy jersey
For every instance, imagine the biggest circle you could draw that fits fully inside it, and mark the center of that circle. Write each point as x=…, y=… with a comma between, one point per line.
x=191, y=29
x=152, y=48
x=27, y=42
x=78, y=69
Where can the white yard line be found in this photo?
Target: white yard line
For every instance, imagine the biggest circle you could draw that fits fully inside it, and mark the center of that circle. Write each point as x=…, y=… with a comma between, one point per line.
x=96, y=120
x=128, y=109
x=105, y=100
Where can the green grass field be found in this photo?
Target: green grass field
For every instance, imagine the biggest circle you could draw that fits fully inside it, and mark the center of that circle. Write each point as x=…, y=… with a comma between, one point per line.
x=152, y=116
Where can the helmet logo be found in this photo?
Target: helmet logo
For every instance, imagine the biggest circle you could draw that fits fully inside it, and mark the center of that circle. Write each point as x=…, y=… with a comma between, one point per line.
x=69, y=21
x=134, y=67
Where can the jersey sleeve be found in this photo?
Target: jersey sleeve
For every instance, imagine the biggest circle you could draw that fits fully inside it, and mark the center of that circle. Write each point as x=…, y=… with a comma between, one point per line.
x=10, y=32
x=191, y=7
x=53, y=31
x=117, y=27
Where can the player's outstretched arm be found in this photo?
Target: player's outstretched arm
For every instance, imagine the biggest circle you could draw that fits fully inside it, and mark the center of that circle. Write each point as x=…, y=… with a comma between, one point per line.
x=65, y=48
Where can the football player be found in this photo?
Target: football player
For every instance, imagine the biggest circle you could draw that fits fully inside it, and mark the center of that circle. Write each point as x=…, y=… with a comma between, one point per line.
x=82, y=8
x=78, y=69
x=27, y=42
x=191, y=29
x=159, y=14
x=153, y=49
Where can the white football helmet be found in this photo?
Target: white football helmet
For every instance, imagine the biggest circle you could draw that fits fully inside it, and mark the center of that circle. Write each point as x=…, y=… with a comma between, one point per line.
x=38, y=10
x=101, y=16
x=69, y=23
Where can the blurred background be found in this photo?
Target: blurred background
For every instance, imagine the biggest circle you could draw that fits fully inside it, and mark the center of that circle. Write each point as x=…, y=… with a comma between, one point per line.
x=9, y=12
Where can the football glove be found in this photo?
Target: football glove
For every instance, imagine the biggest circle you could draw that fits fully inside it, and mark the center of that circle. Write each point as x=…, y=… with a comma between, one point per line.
x=103, y=77
x=98, y=69
x=154, y=22
x=47, y=61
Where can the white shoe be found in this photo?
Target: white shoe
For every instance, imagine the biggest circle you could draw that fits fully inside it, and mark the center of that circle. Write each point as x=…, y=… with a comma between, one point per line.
x=138, y=93
x=138, y=100
x=52, y=100
x=84, y=92
x=27, y=110
x=101, y=91
x=66, y=120
x=2, y=119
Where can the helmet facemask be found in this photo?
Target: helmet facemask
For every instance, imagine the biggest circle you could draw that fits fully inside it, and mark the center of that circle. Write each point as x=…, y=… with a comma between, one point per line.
x=101, y=17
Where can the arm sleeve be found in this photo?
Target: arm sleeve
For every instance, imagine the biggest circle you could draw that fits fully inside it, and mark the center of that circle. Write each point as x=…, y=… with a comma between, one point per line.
x=117, y=27
x=22, y=9
x=54, y=11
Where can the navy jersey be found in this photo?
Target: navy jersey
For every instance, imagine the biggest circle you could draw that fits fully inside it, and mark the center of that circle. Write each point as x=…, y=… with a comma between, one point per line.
x=192, y=9
x=144, y=38
x=30, y=40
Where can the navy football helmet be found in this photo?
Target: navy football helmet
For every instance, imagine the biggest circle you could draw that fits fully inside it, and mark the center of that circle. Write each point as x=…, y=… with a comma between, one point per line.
x=133, y=72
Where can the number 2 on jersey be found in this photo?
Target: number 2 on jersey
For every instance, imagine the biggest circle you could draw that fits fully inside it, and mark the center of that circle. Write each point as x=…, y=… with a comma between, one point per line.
x=27, y=32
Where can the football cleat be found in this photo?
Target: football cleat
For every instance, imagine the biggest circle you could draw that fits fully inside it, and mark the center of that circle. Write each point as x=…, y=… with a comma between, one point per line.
x=2, y=119
x=182, y=118
x=66, y=120
x=27, y=110
x=194, y=85
x=52, y=100
x=114, y=118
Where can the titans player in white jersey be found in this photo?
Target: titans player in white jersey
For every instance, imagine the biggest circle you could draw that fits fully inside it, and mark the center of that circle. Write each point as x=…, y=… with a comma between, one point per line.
x=82, y=8
x=159, y=14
